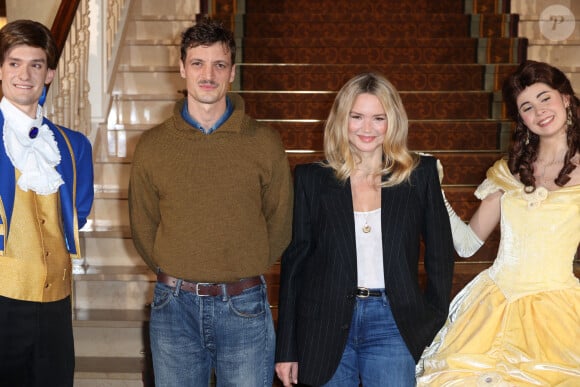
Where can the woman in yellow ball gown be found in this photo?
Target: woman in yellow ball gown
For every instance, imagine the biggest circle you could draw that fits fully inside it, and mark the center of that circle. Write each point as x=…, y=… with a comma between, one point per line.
x=518, y=322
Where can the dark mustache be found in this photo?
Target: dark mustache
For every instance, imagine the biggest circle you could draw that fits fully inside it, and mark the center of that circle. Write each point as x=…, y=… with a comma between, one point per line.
x=210, y=83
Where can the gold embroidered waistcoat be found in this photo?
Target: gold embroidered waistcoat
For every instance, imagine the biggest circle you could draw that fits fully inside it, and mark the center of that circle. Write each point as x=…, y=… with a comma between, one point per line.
x=36, y=265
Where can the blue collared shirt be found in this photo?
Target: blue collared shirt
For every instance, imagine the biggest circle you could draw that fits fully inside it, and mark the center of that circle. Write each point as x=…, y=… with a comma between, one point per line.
x=229, y=110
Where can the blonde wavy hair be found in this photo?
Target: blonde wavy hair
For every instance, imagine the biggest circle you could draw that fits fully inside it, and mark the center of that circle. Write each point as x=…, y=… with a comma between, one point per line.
x=398, y=161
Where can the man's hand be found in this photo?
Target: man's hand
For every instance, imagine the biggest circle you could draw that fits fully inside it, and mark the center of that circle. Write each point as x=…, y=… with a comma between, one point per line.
x=288, y=373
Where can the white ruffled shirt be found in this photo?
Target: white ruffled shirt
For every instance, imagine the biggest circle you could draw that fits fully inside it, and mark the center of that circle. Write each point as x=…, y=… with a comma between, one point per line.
x=35, y=158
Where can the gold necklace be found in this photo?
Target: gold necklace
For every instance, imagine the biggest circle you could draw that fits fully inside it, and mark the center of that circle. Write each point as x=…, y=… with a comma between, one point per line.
x=366, y=228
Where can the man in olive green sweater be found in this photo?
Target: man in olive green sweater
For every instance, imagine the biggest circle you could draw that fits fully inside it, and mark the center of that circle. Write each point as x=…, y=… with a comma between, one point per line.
x=210, y=201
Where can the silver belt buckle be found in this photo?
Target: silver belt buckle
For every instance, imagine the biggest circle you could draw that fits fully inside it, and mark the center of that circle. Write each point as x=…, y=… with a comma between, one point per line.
x=197, y=284
x=363, y=292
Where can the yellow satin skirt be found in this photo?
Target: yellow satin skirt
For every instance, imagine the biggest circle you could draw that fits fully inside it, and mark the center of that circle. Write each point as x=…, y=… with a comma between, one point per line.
x=487, y=341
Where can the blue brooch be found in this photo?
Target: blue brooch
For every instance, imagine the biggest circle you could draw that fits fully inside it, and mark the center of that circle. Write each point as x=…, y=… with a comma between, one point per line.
x=33, y=132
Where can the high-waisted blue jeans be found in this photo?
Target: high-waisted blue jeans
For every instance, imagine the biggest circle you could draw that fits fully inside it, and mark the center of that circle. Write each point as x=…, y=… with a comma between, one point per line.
x=192, y=334
x=375, y=352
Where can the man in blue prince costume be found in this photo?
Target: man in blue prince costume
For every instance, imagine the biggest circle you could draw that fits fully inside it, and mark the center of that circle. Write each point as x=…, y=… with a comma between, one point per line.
x=46, y=194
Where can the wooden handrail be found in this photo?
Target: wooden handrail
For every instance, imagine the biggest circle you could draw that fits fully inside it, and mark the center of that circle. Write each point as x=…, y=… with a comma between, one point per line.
x=62, y=23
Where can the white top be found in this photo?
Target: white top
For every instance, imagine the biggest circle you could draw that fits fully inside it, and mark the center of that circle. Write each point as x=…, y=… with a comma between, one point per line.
x=35, y=156
x=369, y=249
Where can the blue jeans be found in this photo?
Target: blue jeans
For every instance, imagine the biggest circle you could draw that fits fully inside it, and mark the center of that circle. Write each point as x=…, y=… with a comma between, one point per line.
x=375, y=352
x=192, y=334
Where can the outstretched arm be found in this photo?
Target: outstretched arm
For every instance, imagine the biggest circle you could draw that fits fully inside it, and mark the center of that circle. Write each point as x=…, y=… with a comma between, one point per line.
x=468, y=238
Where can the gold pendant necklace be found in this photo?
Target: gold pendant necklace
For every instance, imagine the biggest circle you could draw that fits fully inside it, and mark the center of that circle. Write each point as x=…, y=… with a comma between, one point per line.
x=366, y=228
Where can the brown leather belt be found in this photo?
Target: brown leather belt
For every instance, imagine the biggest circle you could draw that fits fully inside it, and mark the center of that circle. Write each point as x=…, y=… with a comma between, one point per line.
x=210, y=289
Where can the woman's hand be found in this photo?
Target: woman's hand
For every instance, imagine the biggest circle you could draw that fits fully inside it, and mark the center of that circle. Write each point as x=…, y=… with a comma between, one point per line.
x=288, y=373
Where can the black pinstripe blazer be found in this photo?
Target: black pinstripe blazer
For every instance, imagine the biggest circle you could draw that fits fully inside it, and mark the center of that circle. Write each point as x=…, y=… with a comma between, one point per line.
x=319, y=268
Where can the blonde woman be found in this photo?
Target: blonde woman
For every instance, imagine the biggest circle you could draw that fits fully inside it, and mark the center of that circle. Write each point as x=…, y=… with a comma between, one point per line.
x=351, y=308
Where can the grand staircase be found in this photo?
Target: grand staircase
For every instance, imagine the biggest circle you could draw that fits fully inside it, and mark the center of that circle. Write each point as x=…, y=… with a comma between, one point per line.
x=447, y=58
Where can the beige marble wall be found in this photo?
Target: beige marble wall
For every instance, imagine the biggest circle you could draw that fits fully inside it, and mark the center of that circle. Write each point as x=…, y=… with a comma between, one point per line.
x=30, y=9
x=553, y=30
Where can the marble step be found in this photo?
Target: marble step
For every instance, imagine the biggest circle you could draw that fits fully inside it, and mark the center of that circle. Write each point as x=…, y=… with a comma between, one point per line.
x=149, y=55
x=110, y=333
x=107, y=245
x=110, y=211
x=535, y=29
x=111, y=176
x=166, y=9
x=563, y=55
x=551, y=26
x=529, y=8
x=110, y=371
x=156, y=28
x=141, y=109
x=149, y=82
x=118, y=143
x=113, y=287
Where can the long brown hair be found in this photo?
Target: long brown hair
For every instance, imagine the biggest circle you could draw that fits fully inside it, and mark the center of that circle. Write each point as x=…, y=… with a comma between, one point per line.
x=523, y=150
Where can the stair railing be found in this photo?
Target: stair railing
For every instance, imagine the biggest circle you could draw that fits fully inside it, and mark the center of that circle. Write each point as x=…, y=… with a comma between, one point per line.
x=67, y=101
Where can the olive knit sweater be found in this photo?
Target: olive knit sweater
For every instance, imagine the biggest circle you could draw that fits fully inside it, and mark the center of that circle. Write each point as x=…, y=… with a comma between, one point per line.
x=211, y=208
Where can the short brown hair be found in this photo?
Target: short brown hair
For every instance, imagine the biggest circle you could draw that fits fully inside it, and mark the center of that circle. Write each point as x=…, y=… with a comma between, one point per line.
x=29, y=33
x=206, y=33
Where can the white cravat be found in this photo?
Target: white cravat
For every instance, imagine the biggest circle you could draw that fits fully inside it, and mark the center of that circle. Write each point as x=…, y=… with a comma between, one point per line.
x=35, y=158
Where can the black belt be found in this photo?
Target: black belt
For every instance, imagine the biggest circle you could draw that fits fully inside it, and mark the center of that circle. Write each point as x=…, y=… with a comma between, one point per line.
x=210, y=289
x=364, y=293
